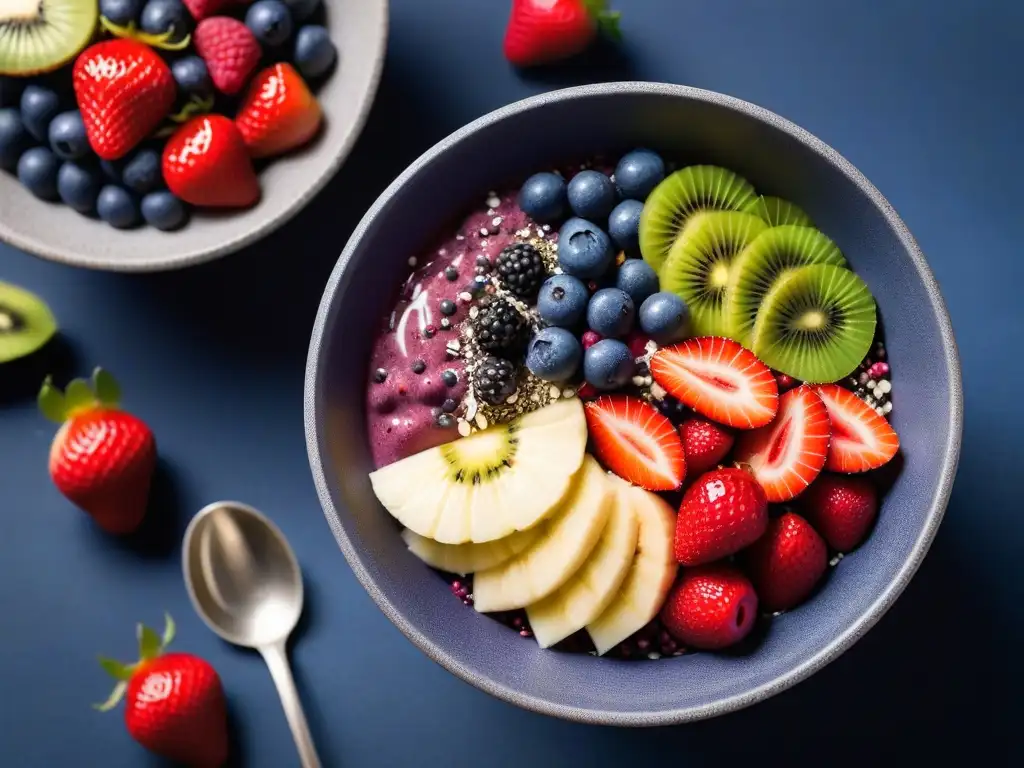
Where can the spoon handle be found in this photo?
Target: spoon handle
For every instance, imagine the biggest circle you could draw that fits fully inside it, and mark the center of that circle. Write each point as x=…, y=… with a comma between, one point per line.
x=277, y=660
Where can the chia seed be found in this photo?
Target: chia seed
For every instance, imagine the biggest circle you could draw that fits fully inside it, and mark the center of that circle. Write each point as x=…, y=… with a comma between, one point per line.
x=450, y=377
x=449, y=406
x=380, y=375
x=451, y=273
x=483, y=261
x=448, y=307
x=419, y=367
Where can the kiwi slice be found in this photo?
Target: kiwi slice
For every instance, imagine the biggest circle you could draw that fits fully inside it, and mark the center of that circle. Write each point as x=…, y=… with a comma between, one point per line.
x=671, y=204
x=26, y=323
x=756, y=269
x=776, y=212
x=41, y=35
x=699, y=265
x=816, y=324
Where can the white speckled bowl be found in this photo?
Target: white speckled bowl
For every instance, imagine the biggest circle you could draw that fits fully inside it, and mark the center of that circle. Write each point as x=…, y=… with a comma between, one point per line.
x=54, y=231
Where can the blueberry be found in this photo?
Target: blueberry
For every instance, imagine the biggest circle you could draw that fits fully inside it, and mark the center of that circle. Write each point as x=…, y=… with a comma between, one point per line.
x=562, y=301
x=78, y=186
x=159, y=16
x=117, y=207
x=163, y=210
x=113, y=169
x=624, y=225
x=142, y=172
x=302, y=9
x=10, y=91
x=665, y=318
x=67, y=136
x=637, y=278
x=608, y=364
x=610, y=313
x=591, y=195
x=584, y=250
x=543, y=197
x=639, y=172
x=314, y=51
x=270, y=21
x=37, y=170
x=14, y=138
x=554, y=354
x=192, y=76
x=39, y=105
x=121, y=12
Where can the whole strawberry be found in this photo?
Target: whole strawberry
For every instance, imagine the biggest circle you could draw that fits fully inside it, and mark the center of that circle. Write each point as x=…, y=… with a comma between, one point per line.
x=543, y=31
x=705, y=443
x=124, y=90
x=278, y=112
x=206, y=163
x=723, y=511
x=842, y=508
x=102, y=458
x=787, y=562
x=175, y=703
x=710, y=607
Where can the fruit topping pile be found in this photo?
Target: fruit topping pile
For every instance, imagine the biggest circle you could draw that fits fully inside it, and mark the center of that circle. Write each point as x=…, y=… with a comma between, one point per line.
x=676, y=402
x=135, y=111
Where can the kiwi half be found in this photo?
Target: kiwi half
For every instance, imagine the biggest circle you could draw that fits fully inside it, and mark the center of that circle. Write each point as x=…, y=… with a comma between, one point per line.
x=756, y=269
x=776, y=212
x=41, y=35
x=671, y=204
x=26, y=323
x=816, y=324
x=699, y=265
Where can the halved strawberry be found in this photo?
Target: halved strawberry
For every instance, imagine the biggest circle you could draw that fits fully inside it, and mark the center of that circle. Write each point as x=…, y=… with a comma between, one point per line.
x=719, y=379
x=861, y=439
x=636, y=442
x=788, y=454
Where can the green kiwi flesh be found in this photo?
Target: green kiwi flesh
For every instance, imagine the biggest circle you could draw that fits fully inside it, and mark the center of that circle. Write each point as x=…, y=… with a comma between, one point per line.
x=699, y=265
x=757, y=268
x=41, y=35
x=26, y=323
x=671, y=204
x=816, y=324
x=776, y=212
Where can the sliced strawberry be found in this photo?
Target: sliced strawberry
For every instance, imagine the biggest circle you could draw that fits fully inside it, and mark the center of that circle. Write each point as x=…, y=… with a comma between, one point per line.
x=719, y=379
x=636, y=442
x=788, y=454
x=861, y=439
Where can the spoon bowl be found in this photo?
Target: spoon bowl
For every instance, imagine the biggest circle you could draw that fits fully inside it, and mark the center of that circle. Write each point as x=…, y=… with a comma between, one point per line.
x=246, y=585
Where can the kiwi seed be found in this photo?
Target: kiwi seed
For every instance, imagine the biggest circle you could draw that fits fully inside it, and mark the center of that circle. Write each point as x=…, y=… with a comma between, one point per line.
x=41, y=35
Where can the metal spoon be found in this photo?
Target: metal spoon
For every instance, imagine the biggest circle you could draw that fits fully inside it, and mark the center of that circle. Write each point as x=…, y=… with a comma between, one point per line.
x=245, y=583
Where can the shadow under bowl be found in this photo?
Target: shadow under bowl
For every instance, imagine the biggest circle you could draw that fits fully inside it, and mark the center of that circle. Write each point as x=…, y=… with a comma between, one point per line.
x=689, y=126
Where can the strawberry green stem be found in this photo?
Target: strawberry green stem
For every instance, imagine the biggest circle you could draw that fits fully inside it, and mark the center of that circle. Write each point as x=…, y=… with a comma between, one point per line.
x=151, y=645
x=80, y=395
x=607, y=21
x=164, y=40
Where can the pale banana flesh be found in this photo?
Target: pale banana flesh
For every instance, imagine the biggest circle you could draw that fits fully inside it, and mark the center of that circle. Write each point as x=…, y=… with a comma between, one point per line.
x=568, y=537
x=469, y=558
x=495, y=482
x=589, y=591
x=650, y=575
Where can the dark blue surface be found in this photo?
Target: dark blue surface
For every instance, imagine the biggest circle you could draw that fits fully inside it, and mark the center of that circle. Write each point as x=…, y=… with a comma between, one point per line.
x=924, y=99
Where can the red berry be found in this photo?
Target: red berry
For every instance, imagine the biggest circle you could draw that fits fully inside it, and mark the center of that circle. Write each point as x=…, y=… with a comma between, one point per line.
x=278, y=113
x=587, y=391
x=230, y=50
x=711, y=607
x=590, y=338
x=842, y=508
x=704, y=443
x=719, y=379
x=206, y=163
x=637, y=343
x=787, y=562
x=542, y=31
x=723, y=511
x=861, y=439
x=102, y=458
x=784, y=381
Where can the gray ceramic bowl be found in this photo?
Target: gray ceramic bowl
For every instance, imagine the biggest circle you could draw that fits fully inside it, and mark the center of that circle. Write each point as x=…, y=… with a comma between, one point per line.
x=691, y=126
x=52, y=231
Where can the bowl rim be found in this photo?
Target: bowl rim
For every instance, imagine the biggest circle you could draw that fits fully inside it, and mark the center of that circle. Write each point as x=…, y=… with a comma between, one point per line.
x=160, y=263
x=843, y=641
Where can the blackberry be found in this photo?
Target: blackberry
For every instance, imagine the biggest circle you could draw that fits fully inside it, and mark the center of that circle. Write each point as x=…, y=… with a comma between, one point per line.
x=497, y=325
x=494, y=380
x=521, y=270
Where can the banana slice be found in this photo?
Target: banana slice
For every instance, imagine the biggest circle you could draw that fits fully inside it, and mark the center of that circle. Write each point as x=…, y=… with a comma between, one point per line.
x=649, y=578
x=469, y=558
x=561, y=548
x=583, y=598
x=486, y=486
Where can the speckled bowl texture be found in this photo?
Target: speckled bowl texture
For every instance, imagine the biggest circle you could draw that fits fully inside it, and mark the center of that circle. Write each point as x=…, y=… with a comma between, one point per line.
x=53, y=231
x=690, y=126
